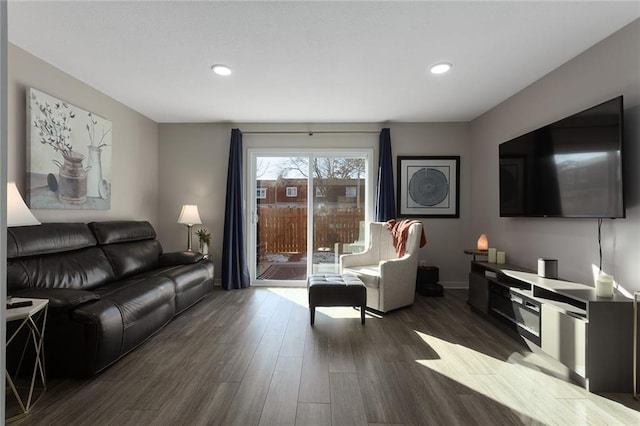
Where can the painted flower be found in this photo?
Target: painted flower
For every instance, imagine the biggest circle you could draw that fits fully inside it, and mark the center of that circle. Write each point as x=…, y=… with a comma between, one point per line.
x=54, y=125
x=91, y=130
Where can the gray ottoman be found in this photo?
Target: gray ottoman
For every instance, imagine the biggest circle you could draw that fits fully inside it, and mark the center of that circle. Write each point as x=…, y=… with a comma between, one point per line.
x=336, y=290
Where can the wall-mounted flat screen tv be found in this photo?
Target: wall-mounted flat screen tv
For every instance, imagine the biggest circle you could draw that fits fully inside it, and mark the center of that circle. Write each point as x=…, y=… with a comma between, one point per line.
x=570, y=168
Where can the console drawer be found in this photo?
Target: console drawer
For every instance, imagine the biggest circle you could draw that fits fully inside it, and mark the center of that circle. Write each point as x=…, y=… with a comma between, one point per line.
x=564, y=338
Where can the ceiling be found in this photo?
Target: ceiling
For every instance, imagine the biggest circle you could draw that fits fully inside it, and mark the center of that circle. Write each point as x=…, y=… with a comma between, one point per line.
x=311, y=61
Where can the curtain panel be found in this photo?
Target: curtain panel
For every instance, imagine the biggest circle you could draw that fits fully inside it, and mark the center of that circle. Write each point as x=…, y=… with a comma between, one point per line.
x=235, y=272
x=385, y=196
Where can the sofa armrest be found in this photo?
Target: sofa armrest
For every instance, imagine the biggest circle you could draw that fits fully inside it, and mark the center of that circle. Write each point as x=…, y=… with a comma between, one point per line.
x=180, y=258
x=65, y=298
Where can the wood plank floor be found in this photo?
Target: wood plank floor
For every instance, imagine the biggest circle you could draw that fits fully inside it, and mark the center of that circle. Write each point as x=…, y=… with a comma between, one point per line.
x=250, y=357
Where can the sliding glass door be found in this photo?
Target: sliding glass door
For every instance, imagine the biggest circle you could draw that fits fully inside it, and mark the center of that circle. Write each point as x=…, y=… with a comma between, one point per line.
x=307, y=209
x=280, y=218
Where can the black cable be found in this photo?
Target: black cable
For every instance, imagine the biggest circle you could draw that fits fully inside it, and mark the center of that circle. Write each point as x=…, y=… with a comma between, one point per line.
x=600, y=241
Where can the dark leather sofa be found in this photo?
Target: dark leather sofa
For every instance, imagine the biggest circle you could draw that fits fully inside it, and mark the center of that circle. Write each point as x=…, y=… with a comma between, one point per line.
x=109, y=286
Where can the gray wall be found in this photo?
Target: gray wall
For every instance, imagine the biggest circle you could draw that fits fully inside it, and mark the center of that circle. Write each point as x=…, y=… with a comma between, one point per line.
x=135, y=141
x=193, y=160
x=606, y=70
x=446, y=238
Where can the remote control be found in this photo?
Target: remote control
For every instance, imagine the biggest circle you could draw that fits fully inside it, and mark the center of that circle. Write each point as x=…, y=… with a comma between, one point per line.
x=19, y=304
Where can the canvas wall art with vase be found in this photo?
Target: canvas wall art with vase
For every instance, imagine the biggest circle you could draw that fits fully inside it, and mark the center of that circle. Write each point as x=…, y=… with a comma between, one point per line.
x=68, y=155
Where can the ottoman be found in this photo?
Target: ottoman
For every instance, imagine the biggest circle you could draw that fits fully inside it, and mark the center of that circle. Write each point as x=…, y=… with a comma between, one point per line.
x=336, y=290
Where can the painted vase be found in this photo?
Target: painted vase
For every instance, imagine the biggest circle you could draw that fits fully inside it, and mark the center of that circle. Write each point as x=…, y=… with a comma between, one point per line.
x=72, y=179
x=94, y=172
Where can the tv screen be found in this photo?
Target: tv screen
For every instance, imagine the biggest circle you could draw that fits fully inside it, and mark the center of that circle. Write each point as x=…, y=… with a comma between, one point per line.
x=570, y=168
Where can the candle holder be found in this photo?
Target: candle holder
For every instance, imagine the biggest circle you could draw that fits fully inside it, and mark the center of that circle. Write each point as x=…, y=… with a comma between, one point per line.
x=492, y=253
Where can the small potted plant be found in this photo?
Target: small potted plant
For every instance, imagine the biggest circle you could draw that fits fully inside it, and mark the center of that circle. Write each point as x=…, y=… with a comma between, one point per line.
x=204, y=237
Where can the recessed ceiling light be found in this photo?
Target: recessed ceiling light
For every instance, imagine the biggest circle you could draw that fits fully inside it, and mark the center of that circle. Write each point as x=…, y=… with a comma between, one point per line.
x=221, y=69
x=440, y=68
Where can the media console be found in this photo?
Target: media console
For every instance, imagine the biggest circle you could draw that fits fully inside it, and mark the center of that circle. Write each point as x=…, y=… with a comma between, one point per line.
x=591, y=336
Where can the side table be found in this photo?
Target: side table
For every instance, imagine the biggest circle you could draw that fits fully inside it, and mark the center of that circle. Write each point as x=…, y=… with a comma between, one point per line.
x=34, y=319
x=476, y=253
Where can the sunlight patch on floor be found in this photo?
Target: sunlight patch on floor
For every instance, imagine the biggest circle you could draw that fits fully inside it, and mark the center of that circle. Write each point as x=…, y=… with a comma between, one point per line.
x=519, y=383
x=300, y=297
x=297, y=295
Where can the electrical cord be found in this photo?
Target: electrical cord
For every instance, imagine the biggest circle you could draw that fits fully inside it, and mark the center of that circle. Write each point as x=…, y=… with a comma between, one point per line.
x=600, y=241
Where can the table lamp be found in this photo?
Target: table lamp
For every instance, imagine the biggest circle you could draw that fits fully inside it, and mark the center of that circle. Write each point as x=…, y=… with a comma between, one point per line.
x=189, y=216
x=18, y=214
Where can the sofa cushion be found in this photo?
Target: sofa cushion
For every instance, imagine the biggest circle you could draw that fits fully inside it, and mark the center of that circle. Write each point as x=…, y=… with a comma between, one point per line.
x=122, y=231
x=83, y=269
x=137, y=297
x=369, y=274
x=130, y=245
x=146, y=305
x=191, y=282
x=132, y=258
x=47, y=238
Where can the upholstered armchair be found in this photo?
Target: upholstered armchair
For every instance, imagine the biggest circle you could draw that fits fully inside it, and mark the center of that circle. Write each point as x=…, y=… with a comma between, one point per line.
x=390, y=280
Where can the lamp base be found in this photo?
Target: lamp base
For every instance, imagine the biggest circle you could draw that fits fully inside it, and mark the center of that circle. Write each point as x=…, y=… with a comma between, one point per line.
x=189, y=237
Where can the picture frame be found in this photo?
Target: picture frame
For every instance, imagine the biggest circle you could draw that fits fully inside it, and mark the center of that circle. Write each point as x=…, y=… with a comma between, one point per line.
x=68, y=155
x=428, y=186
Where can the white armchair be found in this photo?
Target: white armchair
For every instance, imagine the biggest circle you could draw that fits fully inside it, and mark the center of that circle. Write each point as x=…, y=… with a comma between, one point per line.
x=390, y=280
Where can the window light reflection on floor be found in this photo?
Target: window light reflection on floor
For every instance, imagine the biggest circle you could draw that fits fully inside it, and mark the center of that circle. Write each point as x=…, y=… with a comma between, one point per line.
x=524, y=383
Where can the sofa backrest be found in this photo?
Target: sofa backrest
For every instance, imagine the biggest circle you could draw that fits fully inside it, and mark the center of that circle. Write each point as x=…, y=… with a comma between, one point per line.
x=130, y=246
x=55, y=255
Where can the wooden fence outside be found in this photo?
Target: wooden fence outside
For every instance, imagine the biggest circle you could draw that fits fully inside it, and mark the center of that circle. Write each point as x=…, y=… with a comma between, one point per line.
x=284, y=230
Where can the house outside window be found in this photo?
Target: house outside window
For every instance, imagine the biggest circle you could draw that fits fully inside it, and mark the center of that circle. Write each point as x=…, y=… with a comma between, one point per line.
x=292, y=191
x=262, y=193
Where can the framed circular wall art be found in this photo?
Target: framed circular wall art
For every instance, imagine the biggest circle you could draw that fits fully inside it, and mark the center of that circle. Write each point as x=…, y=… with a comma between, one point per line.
x=429, y=186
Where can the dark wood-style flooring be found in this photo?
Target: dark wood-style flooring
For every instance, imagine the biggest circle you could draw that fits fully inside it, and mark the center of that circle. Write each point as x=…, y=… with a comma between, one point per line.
x=250, y=357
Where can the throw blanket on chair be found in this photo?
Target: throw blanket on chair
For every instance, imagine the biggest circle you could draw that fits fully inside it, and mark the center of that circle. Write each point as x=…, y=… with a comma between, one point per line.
x=400, y=231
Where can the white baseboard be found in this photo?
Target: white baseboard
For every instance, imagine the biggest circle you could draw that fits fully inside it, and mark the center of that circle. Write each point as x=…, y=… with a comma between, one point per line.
x=455, y=284
x=446, y=284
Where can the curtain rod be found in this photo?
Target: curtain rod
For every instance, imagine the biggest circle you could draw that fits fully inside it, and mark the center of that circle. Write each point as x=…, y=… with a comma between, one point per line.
x=308, y=132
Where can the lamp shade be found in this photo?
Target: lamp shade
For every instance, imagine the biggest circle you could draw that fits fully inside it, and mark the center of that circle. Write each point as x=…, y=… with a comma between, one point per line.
x=189, y=215
x=18, y=214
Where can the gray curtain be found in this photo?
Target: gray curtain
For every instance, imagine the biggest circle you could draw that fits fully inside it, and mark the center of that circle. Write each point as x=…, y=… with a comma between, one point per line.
x=235, y=273
x=385, y=198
